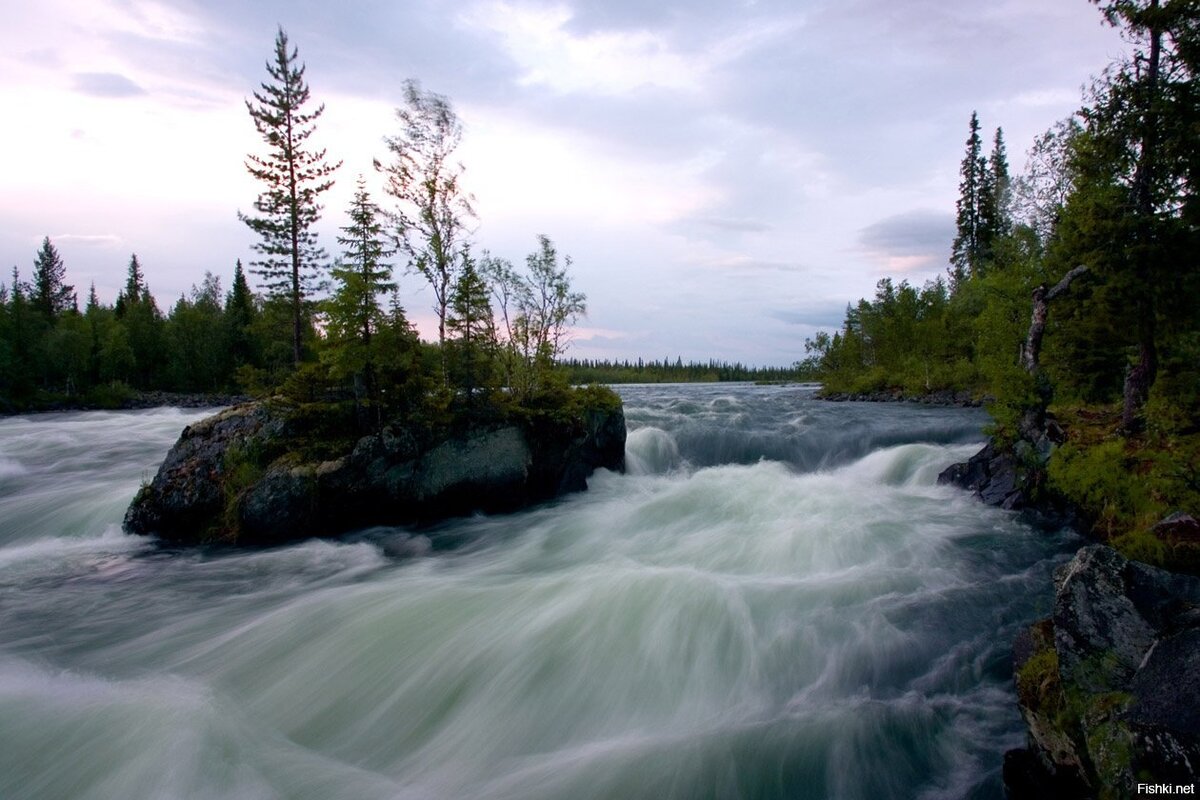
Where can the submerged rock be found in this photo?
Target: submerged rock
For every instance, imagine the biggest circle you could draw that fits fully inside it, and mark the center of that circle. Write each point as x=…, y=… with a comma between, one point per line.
x=1106, y=686
x=238, y=477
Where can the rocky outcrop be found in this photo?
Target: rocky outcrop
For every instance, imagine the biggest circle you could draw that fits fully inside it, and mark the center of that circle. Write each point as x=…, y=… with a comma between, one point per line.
x=238, y=477
x=1107, y=684
x=995, y=476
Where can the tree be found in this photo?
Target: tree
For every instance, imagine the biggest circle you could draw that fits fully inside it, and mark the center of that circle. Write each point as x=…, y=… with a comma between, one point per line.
x=293, y=178
x=967, y=249
x=354, y=314
x=193, y=332
x=536, y=311
x=135, y=286
x=1040, y=194
x=51, y=295
x=994, y=212
x=143, y=327
x=1140, y=159
x=473, y=332
x=238, y=319
x=432, y=208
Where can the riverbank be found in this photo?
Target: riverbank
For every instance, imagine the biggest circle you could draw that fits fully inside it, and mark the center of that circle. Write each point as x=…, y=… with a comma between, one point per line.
x=1104, y=684
x=130, y=401
x=943, y=397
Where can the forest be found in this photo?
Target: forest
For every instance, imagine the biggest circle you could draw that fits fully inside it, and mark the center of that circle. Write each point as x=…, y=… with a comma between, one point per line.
x=318, y=328
x=1070, y=300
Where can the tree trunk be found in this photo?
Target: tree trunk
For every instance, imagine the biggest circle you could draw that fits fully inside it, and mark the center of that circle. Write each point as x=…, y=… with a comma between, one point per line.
x=1140, y=377
x=1033, y=420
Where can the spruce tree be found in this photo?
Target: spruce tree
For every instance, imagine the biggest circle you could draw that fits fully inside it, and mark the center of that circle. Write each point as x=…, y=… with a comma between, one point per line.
x=238, y=319
x=472, y=331
x=354, y=314
x=51, y=295
x=135, y=287
x=293, y=178
x=965, y=252
x=994, y=200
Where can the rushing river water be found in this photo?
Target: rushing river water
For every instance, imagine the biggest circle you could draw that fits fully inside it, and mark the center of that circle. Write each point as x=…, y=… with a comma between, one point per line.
x=777, y=601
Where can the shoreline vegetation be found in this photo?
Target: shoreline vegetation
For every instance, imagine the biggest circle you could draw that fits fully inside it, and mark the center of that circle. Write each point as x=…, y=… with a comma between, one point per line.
x=1069, y=304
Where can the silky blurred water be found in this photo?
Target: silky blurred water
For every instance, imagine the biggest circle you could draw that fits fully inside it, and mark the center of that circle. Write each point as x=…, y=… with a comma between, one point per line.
x=776, y=601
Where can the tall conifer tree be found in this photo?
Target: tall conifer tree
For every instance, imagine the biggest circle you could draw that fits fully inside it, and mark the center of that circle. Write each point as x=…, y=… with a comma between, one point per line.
x=51, y=295
x=239, y=314
x=965, y=252
x=361, y=278
x=994, y=218
x=293, y=178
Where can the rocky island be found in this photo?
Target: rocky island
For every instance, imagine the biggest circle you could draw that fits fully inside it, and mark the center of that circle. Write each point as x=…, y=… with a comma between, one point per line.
x=259, y=473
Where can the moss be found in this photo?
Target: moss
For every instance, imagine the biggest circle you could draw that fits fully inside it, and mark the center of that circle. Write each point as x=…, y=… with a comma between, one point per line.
x=1109, y=742
x=244, y=465
x=1123, y=485
x=1039, y=686
x=1142, y=545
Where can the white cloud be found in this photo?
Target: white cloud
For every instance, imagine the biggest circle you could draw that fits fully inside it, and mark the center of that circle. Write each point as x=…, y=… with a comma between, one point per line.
x=538, y=40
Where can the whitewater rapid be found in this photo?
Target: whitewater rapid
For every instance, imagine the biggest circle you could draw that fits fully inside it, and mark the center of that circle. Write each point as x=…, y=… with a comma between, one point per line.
x=776, y=601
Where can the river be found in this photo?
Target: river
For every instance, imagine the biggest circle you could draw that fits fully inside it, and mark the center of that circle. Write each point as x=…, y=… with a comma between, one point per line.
x=776, y=601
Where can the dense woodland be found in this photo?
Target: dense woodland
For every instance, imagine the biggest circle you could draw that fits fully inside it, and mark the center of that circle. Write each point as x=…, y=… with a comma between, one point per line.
x=319, y=330
x=1072, y=287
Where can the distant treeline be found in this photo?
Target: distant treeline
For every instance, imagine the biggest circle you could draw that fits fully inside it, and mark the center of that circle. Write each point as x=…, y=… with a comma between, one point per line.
x=582, y=371
x=52, y=352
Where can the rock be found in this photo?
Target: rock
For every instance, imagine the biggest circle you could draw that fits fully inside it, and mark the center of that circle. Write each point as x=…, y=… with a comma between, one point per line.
x=1100, y=636
x=1178, y=527
x=940, y=397
x=186, y=496
x=1107, y=685
x=995, y=476
x=236, y=477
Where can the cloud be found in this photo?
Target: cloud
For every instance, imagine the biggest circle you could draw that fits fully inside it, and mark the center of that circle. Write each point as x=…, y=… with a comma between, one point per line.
x=734, y=225
x=106, y=84
x=607, y=62
x=87, y=240
x=908, y=241
x=828, y=316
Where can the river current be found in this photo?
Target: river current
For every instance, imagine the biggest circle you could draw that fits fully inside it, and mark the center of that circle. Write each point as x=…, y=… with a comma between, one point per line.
x=775, y=601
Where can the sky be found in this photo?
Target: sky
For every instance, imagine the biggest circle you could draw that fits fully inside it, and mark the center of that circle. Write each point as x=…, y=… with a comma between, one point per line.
x=726, y=175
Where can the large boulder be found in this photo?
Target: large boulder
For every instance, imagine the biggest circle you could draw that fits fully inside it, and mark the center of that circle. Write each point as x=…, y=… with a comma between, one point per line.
x=996, y=476
x=238, y=477
x=1107, y=684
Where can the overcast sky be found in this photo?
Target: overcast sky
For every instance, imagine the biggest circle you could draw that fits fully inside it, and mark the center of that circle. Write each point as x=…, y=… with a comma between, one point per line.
x=726, y=174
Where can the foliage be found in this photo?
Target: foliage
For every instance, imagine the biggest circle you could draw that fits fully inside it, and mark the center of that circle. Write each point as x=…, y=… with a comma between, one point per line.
x=353, y=315
x=292, y=178
x=584, y=371
x=51, y=295
x=472, y=346
x=536, y=310
x=432, y=208
x=1111, y=191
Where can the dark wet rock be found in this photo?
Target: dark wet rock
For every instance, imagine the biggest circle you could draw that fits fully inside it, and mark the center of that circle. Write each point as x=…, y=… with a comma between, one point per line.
x=239, y=477
x=1107, y=686
x=186, y=496
x=1178, y=527
x=995, y=476
x=941, y=397
x=182, y=400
